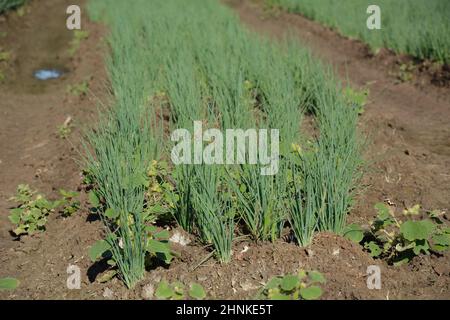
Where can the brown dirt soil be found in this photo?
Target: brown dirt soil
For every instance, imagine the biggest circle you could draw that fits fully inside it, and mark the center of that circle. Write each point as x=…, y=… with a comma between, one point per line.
x=409, y=146
x=31, y=150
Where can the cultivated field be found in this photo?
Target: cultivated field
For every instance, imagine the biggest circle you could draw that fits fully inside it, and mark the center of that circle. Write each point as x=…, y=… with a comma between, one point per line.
x=419, y=28
x=224, y=150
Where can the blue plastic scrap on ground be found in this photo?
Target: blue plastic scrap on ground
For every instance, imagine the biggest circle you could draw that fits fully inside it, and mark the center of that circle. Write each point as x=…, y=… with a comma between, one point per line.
x=44, y=74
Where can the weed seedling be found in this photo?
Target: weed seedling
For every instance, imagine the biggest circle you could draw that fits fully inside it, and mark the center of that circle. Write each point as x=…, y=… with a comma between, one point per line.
x=31, y=214
x=161, y=198
x=404, y=72
x=400, y=240
x=65, y=129
x=356, y=98
x=177, y=291
x=78, y=36
x=69, y=202
x=303, y=285
x=79, y=89
x=5, y=56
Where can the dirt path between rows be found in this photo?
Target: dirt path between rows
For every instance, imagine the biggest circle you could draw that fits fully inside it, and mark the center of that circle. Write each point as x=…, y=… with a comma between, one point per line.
x=31, y=151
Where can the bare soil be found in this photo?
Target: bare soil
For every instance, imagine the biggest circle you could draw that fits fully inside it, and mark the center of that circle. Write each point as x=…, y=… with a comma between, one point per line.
x=408, y=150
